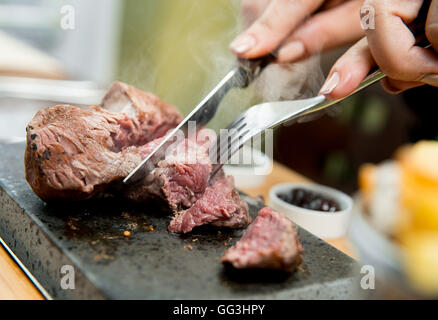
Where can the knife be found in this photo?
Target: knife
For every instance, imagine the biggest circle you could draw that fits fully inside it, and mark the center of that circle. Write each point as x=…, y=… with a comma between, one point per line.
x=241, y=76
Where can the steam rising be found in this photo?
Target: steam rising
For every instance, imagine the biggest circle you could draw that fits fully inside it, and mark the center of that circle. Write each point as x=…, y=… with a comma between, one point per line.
x=180, y=52
x=290, y=81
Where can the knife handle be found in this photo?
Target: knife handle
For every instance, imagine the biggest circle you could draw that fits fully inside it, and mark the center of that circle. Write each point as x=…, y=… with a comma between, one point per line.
x=251, y=69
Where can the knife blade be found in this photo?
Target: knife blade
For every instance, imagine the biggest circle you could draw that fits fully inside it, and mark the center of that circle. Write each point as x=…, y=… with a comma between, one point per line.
x=239, y=77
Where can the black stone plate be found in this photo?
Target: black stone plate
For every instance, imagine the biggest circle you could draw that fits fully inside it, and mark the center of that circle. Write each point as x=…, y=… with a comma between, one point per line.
x=152, y=263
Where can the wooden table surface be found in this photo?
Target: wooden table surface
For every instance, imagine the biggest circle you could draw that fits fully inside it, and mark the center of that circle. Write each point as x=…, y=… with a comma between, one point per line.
x=14, y=284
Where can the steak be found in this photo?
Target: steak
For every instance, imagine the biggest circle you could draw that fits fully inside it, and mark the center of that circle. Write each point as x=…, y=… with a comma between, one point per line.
x=182, y=180
x=74, y=154
x=181, y=177
x=220, y=205
x=270, y=242
x=154, y=118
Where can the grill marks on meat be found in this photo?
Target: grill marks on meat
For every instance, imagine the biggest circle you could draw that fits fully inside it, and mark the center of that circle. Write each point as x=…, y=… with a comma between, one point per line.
x=270, y=242
x=220, y=205
x=73, y=154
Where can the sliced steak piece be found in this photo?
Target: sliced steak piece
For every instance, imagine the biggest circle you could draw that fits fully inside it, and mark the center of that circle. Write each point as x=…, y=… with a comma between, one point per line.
x=270, y=242
x=73, y=154
x=155, y=117
x=220, y=205
x=181, y=177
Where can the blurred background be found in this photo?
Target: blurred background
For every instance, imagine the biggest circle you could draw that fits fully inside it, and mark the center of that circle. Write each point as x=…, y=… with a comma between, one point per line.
x=178, y=49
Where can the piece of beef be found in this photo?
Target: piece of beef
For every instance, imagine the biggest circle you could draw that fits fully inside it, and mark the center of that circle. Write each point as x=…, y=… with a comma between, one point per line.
x=220, y=205
x=270, y=242
x=181, y=177
x=155, y=117
x=73, y=154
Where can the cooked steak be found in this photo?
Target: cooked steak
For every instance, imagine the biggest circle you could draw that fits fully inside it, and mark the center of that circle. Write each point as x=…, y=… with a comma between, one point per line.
x=181, y=177
x=270, y=242
x=182, y=180
x=153, y=116
x=220, y=205
x=73, y=154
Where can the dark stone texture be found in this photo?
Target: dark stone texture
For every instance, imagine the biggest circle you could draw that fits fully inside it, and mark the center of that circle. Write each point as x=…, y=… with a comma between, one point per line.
x=152, y=263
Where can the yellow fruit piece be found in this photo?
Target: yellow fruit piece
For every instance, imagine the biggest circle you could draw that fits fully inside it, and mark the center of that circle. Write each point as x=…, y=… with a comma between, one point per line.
x=420, y=259
x=422, y=158
x=367, y=182
x=420, y=184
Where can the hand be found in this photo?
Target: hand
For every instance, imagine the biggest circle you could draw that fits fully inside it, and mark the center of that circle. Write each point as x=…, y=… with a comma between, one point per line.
x=282, y=25
x=390, y=45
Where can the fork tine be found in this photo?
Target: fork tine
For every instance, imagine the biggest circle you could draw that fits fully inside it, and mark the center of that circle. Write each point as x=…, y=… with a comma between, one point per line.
x=234, y=123
x=235, y=145
x=219, y=152
x=218, y=145
x=239, y=142
x=224, y=153
x=225, y=144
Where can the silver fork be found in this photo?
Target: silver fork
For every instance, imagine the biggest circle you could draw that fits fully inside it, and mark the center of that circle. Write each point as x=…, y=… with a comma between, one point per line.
x=269, y=115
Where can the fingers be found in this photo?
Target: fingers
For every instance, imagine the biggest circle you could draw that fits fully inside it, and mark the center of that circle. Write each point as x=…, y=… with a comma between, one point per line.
x=276, y=23
x=331, y=4
x=392, y=44
x=252, y=10
x=432, y=25
x=396, y=86
x=349, y=71
x=320, y=33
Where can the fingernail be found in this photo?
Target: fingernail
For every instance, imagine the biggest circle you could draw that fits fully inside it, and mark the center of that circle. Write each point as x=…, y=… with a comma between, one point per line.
x=292, y=51
x=243, y=43
x=330, y=84
x=431, y=79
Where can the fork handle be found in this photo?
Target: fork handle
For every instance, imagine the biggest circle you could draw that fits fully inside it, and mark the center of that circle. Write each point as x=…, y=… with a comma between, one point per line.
x=251, y=69
x=417, y=28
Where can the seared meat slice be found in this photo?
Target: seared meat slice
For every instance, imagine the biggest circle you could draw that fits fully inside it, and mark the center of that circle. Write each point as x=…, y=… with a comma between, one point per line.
x=220, y=205
x=181, y=177
x=73, y=154
x=270, y=242
x=155, y=117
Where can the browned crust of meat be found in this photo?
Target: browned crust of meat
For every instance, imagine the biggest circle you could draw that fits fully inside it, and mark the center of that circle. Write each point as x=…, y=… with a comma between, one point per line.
x=270, y=242
x=151, y=110
x=64, y=159
x=73, y=154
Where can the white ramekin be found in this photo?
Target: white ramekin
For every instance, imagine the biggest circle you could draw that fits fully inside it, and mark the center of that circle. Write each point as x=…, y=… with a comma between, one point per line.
x=249, y=176
x=326, y=225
